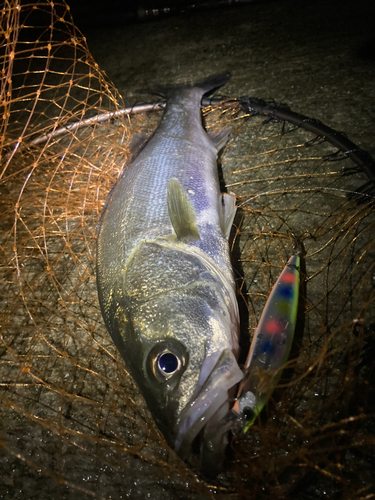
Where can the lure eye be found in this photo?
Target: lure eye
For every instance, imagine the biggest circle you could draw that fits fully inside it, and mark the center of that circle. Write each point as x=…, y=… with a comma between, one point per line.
x=166, y=360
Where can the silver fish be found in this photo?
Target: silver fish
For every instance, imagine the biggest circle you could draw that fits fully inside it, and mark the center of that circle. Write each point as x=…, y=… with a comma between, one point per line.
x=165, y=279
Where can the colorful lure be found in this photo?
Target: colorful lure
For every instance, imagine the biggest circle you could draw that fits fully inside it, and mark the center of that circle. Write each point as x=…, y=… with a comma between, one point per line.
x=271, y=344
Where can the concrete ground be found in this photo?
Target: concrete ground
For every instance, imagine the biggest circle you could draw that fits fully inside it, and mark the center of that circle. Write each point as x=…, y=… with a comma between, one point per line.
x=319, y=58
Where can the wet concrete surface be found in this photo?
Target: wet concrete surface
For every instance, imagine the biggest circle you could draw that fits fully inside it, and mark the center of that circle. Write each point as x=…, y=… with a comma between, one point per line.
x=318, y=58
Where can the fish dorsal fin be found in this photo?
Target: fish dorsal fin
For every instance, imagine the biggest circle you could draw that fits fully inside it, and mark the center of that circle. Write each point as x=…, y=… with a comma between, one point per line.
x=220, y=138
x=229, y=209
x=181, y=211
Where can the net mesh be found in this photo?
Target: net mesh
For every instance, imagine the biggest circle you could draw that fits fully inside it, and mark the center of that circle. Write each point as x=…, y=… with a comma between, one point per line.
x=73, y=423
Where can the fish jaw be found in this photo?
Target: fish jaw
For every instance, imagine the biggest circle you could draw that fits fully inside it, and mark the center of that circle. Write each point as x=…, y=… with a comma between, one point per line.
x=207, y=409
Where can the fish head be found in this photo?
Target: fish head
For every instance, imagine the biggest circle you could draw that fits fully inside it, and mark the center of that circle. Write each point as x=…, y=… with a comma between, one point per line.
x=183, y=359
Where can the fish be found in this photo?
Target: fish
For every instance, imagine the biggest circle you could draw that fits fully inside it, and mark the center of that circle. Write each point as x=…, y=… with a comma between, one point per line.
x=165, y=280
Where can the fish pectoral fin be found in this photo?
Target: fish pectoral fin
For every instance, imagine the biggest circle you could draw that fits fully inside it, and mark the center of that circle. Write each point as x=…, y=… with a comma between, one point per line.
x=220, y=138
x=229, y=209
x=181, y=211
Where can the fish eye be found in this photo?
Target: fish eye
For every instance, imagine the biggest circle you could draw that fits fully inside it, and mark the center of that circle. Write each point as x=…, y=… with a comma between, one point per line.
x=166, y=360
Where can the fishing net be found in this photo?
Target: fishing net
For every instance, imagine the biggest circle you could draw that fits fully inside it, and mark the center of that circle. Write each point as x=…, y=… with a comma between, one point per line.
x=72, y=422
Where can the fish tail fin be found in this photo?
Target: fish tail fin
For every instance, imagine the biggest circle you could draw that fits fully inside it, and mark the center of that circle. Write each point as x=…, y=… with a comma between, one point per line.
x=206, y=86
x=213, y=82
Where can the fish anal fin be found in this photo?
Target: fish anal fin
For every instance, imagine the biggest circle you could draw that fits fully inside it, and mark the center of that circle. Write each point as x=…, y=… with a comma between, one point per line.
x=220, y=138
x=181, y=212
x=229, y=209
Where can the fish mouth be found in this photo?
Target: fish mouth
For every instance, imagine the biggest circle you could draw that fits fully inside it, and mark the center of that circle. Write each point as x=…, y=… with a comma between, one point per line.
x=208, y=409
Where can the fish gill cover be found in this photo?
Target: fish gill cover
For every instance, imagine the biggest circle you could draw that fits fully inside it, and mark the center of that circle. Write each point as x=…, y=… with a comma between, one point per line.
x=72, y=421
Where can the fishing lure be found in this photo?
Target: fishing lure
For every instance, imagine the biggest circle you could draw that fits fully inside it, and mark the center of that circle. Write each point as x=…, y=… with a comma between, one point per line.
x=271, y=345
